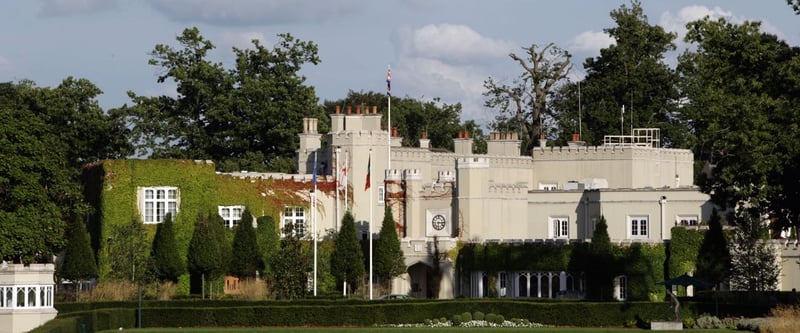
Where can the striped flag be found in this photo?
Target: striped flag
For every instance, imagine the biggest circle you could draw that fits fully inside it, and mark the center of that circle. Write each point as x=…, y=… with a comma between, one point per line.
x=369, y=170
x=389, y=82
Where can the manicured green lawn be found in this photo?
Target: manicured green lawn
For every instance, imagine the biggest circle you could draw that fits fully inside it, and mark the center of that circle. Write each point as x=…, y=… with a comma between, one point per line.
x=403, y=330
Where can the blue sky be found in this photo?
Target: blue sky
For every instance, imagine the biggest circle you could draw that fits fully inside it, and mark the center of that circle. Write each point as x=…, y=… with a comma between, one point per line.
x=436, y=48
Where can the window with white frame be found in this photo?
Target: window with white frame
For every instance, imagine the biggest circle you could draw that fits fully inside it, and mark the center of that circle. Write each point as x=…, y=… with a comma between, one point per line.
x=381, y=194
x=231, y=214
x=559, y=227
x=296, y=216
x=637, y=226
x=548, y=186
x=687, y=219
x=156, y=202
x=621, y=287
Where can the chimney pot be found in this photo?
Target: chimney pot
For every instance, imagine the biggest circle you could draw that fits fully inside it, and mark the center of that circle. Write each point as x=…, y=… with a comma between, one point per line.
x=338, y=109
x=374, y=109
x=576, y=137
x=358, y=109
x=466, y=134
x=424, y=135
x=349, y=109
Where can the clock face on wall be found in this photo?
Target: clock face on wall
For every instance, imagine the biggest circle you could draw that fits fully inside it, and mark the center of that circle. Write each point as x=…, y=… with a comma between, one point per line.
x=438, y=222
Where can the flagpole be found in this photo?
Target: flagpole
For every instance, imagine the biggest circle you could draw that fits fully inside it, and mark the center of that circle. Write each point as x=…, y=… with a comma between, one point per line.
x=389, y=116
x=337, y=173
x=369, y=182
x=314, y=216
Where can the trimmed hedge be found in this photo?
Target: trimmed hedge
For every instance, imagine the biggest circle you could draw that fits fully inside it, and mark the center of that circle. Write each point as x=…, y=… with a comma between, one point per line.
x=311, y=312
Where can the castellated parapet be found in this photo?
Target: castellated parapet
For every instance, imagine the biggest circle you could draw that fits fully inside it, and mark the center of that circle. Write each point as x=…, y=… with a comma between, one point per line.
x=393, y=175
x=446, y=177
x=473, y=163
x=412, y=174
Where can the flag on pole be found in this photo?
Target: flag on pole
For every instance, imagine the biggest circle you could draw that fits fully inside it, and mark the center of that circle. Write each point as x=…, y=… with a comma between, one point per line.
x=343, y=175
x=389, y=82
x=369, y=169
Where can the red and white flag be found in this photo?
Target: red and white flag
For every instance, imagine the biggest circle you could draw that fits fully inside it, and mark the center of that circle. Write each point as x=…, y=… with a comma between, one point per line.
x=343, y=175
x=369, y=169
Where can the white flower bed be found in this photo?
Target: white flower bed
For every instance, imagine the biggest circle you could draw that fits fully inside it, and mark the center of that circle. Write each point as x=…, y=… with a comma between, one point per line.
x=472, y=323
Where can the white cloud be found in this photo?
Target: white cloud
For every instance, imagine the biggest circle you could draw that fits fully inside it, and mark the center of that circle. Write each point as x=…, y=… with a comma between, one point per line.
x=252, y=12
x=74, y=7
x=677, y=23
x=451, y=43
x=591, y=42
x=450, y=62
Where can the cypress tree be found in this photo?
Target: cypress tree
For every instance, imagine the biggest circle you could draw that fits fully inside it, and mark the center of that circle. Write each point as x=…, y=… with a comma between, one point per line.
x=600, y=270
x=389, y=260
x=247, y=259
x=216, y=226
x=269, y=242
x=204, y=257
x=347, y=259
x=79, y=263
x=291, y=266
x=713, y=258
x=166, y=261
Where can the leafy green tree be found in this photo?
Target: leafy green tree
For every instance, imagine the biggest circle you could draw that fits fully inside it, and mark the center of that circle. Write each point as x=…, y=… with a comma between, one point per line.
x=166, y=260
x=795, y=4
x=389, y=260
x=79, y=263
x=740, y=85
x=630, y=73
x=600, y=270
x=291, y=266
x=244, y=118
x=754, y=263
x=523, y=103
x=247, y=259
x=347, y=259
x=713, y=258
x=269, y=242
x=205, y=256
x=475, y=131
x=46, y=135
x=128, y=248
x=412, y=117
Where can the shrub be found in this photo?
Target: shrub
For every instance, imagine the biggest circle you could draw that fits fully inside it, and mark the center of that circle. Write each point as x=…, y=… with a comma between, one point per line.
x=466, y=316
x=252, y=289
x=456, y=319
x=166, y=291
x=751, y=324
x=490, y=317
x=498, y=319
x=478, y=315
x=708, y=322
x=115, y=290
x=783, y=318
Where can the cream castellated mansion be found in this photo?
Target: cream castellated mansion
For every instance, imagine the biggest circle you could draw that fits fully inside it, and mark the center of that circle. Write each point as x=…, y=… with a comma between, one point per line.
x=555, y=195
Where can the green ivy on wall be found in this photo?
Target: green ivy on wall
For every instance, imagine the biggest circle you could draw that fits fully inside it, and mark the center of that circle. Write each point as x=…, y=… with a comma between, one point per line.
x=111, y=188
x=642, y=263
x=683, y=248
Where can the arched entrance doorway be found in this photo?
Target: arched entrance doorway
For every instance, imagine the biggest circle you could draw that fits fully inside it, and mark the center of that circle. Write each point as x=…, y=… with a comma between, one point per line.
x=421, y=276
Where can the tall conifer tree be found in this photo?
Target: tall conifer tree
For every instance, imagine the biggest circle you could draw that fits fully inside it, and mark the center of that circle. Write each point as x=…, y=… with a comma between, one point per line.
x=166, y=261
x=79, y=263
x=247, y=259
x=389, y=260
x=347, y=260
